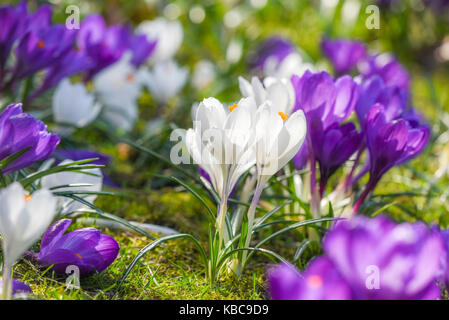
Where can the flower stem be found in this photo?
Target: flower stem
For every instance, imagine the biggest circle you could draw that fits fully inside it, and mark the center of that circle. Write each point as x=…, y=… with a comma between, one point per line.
x=251, y=215
x=7, y=281
x=369, y=187
x=314, y=196
x=221, y=221
x=349, y=180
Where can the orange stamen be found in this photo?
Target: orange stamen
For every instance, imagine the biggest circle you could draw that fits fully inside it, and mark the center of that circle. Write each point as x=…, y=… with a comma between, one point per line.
x=231, y=108
x=130, y=77
x=28, y=197
x=283, y=115
x=78, y=255
x=40, y=44
x=314, y=281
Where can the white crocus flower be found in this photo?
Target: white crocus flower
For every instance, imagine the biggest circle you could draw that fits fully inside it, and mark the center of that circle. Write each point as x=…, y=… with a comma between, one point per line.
x=221, y=142
x=169, y=36
x=92, y=181
x=278, y=138
x=73, y=105
x=165, y=80
x=23, y=219
x=279, y=91
x=118, y=87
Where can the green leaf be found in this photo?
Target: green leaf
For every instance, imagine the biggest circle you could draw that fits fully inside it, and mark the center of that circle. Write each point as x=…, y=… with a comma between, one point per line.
x=12, y=157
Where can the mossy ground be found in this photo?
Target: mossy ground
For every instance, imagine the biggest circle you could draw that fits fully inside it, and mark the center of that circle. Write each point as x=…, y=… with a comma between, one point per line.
x=172, y=271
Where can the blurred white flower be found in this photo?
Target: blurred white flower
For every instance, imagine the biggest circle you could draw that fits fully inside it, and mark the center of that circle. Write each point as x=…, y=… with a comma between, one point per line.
x=73, y=105
x=234, y=51
x=23, y=219
x=118, y=87
x=277, y=90
x=93, y=178
x=203, y=74
x=165, y=80
x=169, y=36
x=290, y=65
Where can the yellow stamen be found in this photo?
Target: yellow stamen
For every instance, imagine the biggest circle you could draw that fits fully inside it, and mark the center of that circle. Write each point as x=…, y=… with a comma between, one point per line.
x=314, y=282
x=28, y=197
x=231, y=108
x=40, y=44
x=283, y=115
x=78, y=255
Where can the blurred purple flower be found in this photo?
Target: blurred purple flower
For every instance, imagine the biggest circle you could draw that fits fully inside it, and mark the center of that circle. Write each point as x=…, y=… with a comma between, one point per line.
x=86, y=248
x=368, y=259
x=407, y=256
x=445, y=270
x=321, y=281
x=275, y=49
x=105, y=45
x=18, y=287
x=344, y=54
x=388, y=68
x=389, y=143
x=20, y=130
x=13, y=21
x=141, y=49
x=81, y=154
x=71, y=63
x=374, y=90
x=40, y=49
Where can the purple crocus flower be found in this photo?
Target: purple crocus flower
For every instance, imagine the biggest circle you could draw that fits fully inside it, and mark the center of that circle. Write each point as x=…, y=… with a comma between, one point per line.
x=374, y=90
x=141, y=49
x=405, y=258
x=274, y=49
x=71, y=63
x=326, y=103
x=20, y=130
x=324, y=100
x=389, y=143
x=40, y=49
x=86, y=248
x=368, y=259
x=14, y=22
x=344, y=54
x=301, y=159
x=321, y=281
x=388, y=68
x=103, y=45
x=18, y=287
x=334, y=147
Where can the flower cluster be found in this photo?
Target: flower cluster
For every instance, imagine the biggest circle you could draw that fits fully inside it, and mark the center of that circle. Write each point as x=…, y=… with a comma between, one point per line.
x=388, y=129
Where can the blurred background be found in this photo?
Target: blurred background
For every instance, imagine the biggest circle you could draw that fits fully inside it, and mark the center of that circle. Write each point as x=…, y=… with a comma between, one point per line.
x=219, y=41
